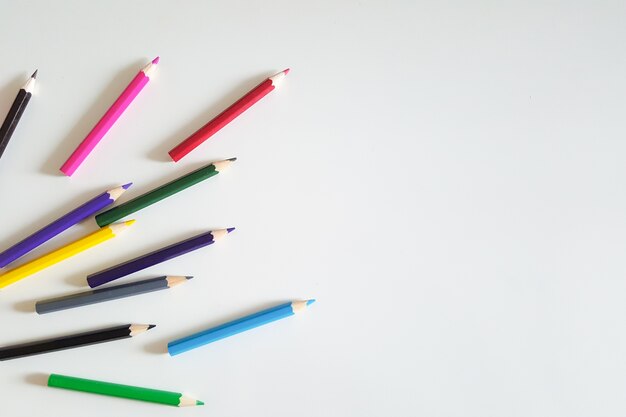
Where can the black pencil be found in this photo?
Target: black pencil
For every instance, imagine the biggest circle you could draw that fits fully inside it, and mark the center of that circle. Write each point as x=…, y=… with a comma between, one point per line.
x=15, y=112
x=72, y=341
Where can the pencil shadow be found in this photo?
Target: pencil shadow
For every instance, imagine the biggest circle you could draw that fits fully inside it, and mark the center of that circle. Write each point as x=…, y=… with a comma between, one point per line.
x=56, y=241
x=9, y=91
x=89, y=119
x=25, y=306
x=80, y=278
x=37, y=379
x=160, y=347
x=191, y=125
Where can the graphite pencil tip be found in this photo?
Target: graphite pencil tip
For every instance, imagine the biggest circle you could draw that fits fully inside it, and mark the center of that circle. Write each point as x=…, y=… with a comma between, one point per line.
x=189, y=276
x=156, y=60
x=34, y=74
x=151, y=326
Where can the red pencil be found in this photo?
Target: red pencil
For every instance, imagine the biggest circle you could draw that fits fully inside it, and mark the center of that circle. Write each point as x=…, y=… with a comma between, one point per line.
x=225, y=117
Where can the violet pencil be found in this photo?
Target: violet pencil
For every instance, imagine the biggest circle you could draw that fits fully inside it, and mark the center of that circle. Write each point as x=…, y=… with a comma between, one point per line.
x=61, y=224
x=156, y=257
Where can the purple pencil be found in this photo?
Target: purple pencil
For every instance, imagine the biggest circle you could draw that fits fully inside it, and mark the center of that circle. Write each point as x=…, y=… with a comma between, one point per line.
x=156, y=257
x=61, y=224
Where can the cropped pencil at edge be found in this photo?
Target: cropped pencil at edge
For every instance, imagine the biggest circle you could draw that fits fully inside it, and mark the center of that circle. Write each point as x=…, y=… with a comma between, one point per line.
x=16, y=111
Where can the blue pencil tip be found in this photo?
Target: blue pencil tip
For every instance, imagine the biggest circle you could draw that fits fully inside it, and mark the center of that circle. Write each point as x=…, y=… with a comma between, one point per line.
x=230, y=229
x=309, y=302
x=127, y=186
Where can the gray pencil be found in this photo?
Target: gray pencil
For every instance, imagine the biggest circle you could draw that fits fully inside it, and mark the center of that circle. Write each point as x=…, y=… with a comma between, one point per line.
x=110, y=293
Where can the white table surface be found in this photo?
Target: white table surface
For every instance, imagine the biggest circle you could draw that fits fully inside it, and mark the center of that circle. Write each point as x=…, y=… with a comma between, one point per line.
x=446, y=178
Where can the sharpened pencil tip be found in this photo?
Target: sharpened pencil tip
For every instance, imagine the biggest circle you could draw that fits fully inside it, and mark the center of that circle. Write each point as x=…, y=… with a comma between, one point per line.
x=311, y=301
x=34, y=74
x=127, y=186
x=156, y=60
x=198, y=402
x=287, y=71
x=230, y=229
x=232, y=159
x=189, y=276
x=129, y=222
x=151, y=326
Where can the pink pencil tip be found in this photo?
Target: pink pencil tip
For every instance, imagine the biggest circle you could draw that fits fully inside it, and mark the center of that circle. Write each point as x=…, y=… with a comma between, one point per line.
x=286, y=71
x=156, y=60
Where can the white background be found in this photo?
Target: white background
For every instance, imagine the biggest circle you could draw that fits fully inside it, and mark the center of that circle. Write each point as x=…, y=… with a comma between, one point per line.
x=446, y=178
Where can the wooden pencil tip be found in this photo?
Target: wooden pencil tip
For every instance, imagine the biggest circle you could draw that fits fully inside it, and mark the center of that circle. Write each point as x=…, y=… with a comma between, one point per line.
x=34, y=74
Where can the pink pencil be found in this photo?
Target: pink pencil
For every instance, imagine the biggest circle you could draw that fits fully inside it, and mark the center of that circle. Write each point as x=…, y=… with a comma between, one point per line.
x=109, y=118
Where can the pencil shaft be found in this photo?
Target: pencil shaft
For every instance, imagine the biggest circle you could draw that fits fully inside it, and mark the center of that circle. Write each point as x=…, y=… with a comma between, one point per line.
x=222, y=119
x=53, y=229
x=101, y=295
x=107, y=121
x=114, y=390
x=13, y=118
x=155, y=195
x=149, y=259
x=229, y=329
x=65, y=342
x=55, y=257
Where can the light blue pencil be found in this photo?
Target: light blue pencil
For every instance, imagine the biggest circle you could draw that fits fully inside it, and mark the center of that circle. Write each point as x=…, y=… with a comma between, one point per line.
x=237, y=326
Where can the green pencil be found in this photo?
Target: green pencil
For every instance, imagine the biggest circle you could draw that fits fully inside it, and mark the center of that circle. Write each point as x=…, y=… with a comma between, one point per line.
x=124, y=391
x=164, y=191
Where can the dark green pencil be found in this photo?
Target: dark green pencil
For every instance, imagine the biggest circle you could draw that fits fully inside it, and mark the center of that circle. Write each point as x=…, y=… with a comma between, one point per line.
x=164, y=191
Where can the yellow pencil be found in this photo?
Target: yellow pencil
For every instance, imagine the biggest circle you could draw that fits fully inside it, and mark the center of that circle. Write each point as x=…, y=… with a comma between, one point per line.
x=63, y=253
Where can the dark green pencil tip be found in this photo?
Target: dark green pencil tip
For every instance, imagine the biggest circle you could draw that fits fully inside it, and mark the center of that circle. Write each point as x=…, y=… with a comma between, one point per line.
x=189, y=276
x=34, y=74
x=198, y=402
x=151, y=326
x=232, y=159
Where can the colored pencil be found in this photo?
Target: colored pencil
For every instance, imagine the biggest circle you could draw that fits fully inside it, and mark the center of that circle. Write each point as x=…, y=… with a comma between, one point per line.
x=72, y=341
x=234, y=327
x=16, y=111
x=228, y=115
x=109, y=293
x=61, y=224
x=162, y=192
x=156, y=257
x=122, y=391
x=109, y=118
x=62, y=253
